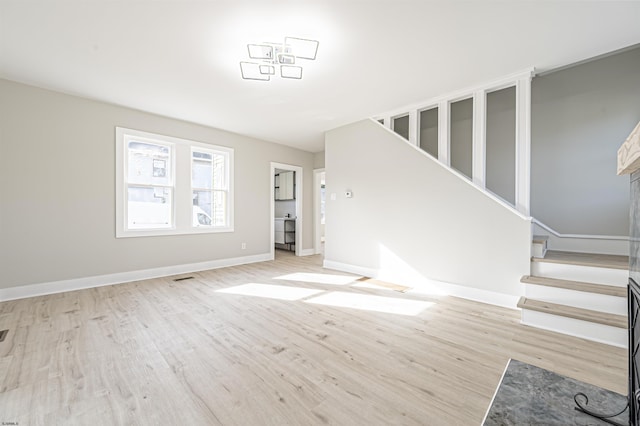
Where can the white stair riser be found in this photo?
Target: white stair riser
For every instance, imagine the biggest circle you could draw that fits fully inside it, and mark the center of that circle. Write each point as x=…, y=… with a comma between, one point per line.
x=579, y=299
x=538, y=249
x=588, y=274
x=587, y=330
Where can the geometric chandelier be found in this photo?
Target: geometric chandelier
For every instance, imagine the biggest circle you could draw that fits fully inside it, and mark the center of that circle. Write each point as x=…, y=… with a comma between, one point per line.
x=271, y=59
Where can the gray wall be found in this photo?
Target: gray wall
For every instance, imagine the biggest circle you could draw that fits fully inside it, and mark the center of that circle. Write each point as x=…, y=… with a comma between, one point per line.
x=501, y=144
x=461, y=136
x=401, y=126
x=580, y=117
x=429, y=131
x=57, y=190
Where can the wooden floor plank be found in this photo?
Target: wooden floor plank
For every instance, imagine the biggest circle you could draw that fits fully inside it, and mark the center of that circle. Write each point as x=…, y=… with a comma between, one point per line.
x=588, y=315
x=609, y=290
x=160, y=351
x=585, y=259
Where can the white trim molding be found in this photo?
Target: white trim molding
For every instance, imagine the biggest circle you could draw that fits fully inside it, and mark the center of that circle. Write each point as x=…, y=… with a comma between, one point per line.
x=581, y=236
x=62, y=286
x=479, y=139
x=317, y=225
x=414, y=122
x=604, y=244
x=444, y=145
x=523, y=144
x=433, y=287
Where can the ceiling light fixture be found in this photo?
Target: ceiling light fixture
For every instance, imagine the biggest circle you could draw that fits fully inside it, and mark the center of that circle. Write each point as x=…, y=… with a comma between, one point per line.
x=285, y=57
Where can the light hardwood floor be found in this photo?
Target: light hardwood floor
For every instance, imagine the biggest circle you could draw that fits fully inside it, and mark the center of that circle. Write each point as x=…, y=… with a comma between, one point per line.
x=165, y=352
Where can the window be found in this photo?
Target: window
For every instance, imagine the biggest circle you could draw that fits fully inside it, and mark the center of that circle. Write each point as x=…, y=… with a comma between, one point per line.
x=401, y=126
x=150, y=185
x=428, y=138
x=167, y=186
x=209, y=186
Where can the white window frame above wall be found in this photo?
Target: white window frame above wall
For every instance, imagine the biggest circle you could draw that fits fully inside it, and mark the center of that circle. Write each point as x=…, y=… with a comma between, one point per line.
x=182, y=202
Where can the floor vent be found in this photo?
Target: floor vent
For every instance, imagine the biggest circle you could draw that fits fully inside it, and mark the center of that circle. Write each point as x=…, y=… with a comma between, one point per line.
x=183, y=278
x=3, y=334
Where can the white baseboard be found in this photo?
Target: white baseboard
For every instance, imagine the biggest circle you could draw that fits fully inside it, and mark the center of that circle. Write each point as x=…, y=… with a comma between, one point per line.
x=42, y=289
x=307, y=252
x=422, y=285
x=345, y=267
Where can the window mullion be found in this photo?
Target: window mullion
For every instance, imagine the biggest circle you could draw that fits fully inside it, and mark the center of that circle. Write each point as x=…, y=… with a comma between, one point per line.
x=183, y=186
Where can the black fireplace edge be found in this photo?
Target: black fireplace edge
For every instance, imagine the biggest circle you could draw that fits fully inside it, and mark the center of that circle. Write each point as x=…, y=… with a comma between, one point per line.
x=633, y=398
x=633, y=303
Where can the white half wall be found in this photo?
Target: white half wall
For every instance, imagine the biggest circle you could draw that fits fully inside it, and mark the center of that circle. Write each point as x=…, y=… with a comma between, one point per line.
x=583, y=243
x=412, y=220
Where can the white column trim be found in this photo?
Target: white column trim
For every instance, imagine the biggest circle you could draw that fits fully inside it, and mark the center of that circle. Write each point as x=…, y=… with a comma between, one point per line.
x=479, y=137
x=413, y=127
x=523, y=145
x=317, y=244
x=444, y=146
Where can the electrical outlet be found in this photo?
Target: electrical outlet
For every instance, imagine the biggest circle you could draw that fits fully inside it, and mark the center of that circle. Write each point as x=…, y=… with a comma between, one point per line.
x=243, y=246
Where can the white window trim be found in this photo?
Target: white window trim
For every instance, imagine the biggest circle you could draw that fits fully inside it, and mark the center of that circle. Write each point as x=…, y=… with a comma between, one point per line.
x=182, y=199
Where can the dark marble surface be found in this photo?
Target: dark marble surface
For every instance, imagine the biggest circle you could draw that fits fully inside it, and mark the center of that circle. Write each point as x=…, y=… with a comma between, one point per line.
x=529, y=395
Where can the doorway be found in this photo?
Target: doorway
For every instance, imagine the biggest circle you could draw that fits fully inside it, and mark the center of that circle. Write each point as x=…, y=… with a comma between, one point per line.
x=286, y=208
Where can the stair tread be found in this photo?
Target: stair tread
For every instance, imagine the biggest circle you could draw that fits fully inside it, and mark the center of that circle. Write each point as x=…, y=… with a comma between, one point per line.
x=611, y=261
x=613, y=320
x=610, y=290
x=540, y=239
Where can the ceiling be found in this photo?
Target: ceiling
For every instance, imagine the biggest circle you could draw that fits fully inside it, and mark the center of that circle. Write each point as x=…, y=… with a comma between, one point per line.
x=181, y=58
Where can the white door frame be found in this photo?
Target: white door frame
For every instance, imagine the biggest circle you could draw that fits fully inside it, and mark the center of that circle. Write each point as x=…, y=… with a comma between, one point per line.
x=317, y=226
x=299, y=192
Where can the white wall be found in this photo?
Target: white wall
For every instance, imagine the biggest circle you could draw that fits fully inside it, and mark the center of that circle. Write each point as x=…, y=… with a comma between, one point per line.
x=580, y=117
x=57, y=190
x=318, y=160
x=284, y=207
x=411, y=219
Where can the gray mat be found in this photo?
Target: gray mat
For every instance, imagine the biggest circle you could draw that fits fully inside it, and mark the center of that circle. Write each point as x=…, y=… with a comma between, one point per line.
x=528, y=395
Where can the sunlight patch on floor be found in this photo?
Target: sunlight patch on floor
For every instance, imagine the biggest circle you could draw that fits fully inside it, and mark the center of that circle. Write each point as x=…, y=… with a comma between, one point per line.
x=271, y=291
x=319, y=278
x=366, y=302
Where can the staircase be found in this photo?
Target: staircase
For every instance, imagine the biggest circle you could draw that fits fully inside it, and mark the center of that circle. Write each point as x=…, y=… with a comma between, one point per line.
x=580, y=294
